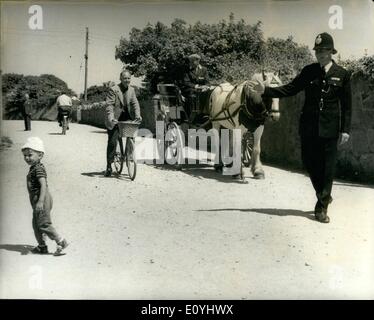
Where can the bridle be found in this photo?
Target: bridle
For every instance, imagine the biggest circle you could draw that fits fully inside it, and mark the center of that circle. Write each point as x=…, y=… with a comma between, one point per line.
x=225, y=114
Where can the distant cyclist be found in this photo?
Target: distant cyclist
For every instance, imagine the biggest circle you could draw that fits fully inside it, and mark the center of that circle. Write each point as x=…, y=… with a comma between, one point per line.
x=64, y=105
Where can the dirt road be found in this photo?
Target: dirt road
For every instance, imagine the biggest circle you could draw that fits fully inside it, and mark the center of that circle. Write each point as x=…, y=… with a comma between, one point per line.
x=190, y=234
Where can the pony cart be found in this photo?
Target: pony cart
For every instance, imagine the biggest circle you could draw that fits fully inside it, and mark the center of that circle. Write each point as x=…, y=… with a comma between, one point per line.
x=171, y=110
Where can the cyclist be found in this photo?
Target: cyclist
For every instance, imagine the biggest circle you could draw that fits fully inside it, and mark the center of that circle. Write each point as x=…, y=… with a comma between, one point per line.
x=64, y=105
x=122, y=105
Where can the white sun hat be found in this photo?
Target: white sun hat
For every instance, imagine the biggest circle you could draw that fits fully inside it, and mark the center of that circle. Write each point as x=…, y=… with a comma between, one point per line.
x=34, y=143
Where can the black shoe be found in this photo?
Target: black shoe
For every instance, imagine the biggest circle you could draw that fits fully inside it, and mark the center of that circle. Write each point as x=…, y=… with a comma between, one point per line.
x=40, y=250
x=321, y=216
x=108, y=172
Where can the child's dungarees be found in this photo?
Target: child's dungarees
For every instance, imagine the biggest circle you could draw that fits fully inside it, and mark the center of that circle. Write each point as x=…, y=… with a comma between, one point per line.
x=41, y=220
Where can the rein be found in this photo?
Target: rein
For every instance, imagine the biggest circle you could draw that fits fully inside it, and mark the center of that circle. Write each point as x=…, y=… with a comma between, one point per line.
x=226, y=107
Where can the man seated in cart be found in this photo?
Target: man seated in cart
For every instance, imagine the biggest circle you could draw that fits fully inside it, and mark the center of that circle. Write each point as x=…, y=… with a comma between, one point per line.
x=194, y=88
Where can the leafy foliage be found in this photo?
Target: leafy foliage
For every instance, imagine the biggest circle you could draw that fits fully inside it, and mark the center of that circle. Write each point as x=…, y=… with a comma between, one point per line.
x=365, y=65
x=286, y=56
x=231, y=50
x=43, y=91
x=97, y=93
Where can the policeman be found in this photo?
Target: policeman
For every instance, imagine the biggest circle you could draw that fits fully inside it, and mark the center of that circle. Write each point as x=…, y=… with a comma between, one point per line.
x=326, y=116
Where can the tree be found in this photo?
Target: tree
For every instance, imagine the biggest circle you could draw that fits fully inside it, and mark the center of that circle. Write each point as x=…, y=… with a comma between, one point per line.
x=286, y=56
x=160, y=51
x=97, y=93
x=43, y=91
x=229, y=49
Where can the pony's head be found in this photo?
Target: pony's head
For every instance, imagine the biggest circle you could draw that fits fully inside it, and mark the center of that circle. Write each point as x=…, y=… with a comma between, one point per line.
x=256, y=102
x=270, y=79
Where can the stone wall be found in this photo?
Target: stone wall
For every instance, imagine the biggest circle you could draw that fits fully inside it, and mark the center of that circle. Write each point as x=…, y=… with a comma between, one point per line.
x=281, y=143
x=94, y=114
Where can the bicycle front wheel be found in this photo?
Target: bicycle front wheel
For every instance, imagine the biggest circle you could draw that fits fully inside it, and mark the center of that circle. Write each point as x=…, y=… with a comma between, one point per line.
x=130, y=158
x=118, y=157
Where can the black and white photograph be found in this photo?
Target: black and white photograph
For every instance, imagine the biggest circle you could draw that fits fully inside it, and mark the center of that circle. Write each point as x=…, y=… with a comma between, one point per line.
x=187, y=150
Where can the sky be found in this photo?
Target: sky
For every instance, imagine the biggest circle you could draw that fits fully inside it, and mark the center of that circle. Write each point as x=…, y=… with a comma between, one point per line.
x=59, y=47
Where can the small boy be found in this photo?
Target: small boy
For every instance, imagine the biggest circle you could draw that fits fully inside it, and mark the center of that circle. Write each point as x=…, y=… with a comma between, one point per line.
x=40, y=198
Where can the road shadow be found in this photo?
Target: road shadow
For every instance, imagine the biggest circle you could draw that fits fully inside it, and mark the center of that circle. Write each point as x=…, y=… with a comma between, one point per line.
x=23, y=249
x=353, y=184
x=199, y=171
x=100, y=174
x=99, y=131
x=270, y=211
x=55, y=133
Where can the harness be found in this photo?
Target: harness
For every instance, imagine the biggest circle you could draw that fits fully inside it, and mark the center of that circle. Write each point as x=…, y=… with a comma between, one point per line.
x=227, y=115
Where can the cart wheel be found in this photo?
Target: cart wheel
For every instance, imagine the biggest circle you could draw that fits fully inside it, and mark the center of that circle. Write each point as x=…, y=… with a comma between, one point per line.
x=130, y=158
x=247, y=146
x=173, y=142
x=118, y=157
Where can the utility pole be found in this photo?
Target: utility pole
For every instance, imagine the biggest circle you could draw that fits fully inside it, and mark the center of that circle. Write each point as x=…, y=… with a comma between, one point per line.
x=85, y=67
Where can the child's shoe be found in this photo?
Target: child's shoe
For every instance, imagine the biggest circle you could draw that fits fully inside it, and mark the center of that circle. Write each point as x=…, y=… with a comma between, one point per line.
x=61, y=246
x=40, y=250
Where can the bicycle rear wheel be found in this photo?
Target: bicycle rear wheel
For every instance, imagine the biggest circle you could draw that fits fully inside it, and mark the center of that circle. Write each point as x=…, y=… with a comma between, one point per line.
x=64, y=124
x=118, y=157
x=130, y=158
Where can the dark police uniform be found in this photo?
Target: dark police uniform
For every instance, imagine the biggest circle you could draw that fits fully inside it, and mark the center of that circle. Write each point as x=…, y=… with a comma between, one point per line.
x=326, y=113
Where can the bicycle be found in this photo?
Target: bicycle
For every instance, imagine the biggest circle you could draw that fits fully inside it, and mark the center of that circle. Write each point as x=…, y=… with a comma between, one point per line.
x=126, y=154
x=65, y=121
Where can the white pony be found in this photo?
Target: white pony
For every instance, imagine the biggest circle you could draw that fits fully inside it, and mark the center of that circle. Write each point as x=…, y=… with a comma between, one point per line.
x=237, y=107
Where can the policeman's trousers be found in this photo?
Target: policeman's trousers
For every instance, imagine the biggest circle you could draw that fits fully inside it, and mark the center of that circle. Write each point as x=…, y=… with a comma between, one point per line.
x=319, y=159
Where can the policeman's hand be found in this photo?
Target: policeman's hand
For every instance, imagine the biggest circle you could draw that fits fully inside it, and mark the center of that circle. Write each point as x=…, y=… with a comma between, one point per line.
x=115, y=121
x=256, y=87
x=274, y=115
x=39, y=206
x=344, y=137
x=207, y=87
x=138, y=120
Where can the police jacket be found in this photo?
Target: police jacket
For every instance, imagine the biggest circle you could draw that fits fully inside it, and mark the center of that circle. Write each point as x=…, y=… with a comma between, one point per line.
x=327, y=107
